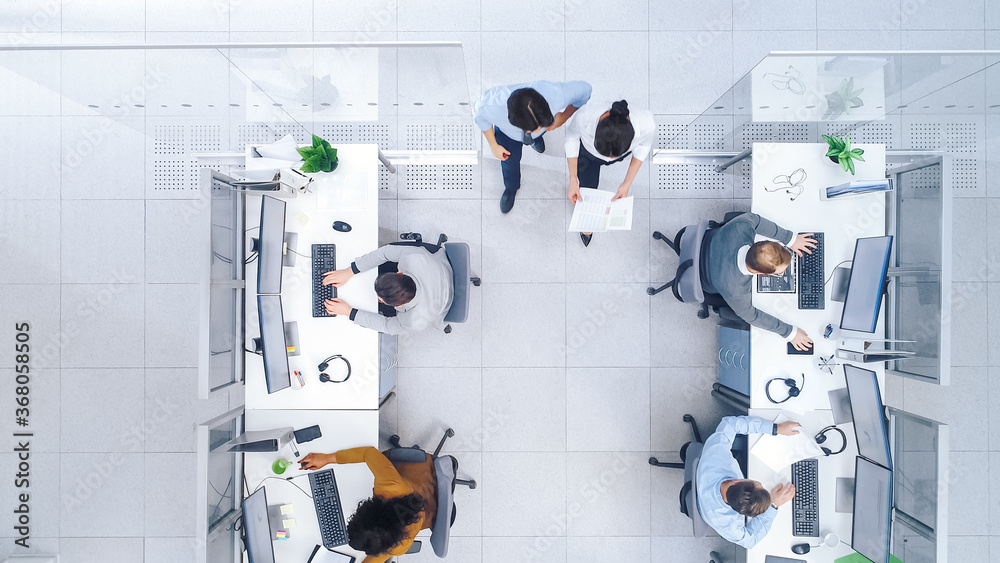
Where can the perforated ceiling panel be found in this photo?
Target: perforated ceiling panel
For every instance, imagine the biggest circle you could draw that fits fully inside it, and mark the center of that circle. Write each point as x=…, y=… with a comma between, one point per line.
x=965, y=139
x=174, y=170
x=426, y=178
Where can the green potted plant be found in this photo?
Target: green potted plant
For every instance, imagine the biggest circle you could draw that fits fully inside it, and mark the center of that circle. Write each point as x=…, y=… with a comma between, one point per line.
x=842, y=153
x=320, y=157
x=843, y=100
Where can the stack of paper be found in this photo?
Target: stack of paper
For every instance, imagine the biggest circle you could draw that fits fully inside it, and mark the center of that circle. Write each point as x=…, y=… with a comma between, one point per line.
x=596, y=213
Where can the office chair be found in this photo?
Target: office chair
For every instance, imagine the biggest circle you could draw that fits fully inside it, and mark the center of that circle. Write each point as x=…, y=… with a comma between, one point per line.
x=459, y=257
x=690, y=456
x=445, y=473
x=690, y=245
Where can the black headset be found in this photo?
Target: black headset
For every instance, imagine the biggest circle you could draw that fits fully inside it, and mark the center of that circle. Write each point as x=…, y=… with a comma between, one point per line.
x=324, y=378
x=821, y=438
x=793, y=388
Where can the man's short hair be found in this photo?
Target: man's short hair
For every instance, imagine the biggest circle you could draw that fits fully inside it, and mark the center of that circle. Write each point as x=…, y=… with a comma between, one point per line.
x=527, y=110
x=767, y=257
x=744, y=497
x=395, y=289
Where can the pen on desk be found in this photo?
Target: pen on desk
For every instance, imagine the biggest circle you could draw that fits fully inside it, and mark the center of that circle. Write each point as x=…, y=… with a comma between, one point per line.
x=302, y=380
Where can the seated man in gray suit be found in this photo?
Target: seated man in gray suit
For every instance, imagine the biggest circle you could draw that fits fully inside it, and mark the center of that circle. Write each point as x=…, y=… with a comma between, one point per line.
x=419, y=294
x=733, y=258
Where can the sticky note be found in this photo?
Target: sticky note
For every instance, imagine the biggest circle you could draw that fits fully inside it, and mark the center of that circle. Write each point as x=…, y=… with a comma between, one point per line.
x=290, y=523
x=287, y=509
x=302, y=218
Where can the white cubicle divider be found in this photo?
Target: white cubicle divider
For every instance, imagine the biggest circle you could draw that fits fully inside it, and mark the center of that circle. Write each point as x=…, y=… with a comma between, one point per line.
x=349, y=194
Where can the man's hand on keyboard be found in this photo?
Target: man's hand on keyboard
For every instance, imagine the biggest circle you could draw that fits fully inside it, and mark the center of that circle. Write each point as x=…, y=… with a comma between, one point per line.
x=788, y=428
x=803, y=243
x=782, y=494
x=337, y=278
x=316, y=461
x=337, y=306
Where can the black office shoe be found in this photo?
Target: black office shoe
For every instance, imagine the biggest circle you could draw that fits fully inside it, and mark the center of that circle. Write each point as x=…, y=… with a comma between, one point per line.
x=539, y=144
x=586, y=238
x=507, y=200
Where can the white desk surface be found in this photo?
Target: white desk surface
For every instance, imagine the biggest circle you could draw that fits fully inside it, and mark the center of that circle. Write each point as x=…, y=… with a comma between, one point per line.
x=322, y=337
x=843, y=221
x=830, y=467
x=341, y=430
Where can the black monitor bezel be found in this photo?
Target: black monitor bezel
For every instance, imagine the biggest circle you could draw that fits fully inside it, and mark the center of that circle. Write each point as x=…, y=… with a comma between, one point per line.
x=888, y=524
x=252, y=558
x=263, y=347
x=882, y=417
x=260, y=236
x=881, y=291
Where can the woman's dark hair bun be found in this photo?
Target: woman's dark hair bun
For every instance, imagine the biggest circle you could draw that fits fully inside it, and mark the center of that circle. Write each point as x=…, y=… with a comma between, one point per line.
x=619, y=108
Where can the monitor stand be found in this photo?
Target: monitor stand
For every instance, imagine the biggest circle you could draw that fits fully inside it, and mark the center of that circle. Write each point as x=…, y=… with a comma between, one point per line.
x=841, y=277
x=845, y=495
x=291, y=240
x=291, y=340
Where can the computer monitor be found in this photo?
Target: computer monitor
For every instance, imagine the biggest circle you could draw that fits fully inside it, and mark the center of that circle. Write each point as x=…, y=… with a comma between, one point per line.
x=270, y=245
x=870, y=531
x=257, y=536
x=864, y=289
x=870, y=426
x=273, y=347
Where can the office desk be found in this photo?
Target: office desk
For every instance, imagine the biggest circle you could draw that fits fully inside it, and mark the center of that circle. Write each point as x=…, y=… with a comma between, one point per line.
x=843, y=221
x=311, y=216
x=341, y=430
x=780, y=539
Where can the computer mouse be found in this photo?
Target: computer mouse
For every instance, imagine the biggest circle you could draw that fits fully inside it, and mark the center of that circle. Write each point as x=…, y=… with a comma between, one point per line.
x=800, y=548
x=341, y=226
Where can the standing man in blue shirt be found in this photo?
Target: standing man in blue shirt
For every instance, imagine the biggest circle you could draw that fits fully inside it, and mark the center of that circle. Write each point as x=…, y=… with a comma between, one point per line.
x=519, y=114
x=725, y=498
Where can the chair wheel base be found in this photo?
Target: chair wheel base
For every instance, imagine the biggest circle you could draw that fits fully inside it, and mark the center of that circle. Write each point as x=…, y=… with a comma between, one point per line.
x=449, y=433
x=447, y=329
x=688, y=418
x=657, y=235
x=653, y=461
x=472, y=484
x=476, y=281
x=650, y=291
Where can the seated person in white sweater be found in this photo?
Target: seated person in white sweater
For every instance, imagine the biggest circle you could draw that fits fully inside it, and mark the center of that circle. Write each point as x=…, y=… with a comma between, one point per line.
x=421, y=291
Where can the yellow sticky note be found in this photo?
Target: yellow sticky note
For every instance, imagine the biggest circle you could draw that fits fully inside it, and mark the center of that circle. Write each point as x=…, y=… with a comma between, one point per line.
x=290, y=523
x=302, y=218
x=287, y=509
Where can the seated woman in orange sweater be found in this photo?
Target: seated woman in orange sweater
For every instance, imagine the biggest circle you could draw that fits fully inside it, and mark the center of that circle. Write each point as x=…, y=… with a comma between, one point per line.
x=404, y=502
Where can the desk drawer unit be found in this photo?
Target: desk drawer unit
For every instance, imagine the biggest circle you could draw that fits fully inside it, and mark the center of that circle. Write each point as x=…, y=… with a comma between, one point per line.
x=734, y=359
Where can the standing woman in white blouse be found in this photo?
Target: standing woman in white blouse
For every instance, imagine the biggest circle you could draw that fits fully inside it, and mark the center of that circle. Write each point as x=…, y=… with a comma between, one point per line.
x=603, y=133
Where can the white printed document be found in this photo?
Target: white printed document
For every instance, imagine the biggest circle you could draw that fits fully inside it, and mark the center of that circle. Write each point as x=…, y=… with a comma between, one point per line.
x=596, y=213
x=779, y=452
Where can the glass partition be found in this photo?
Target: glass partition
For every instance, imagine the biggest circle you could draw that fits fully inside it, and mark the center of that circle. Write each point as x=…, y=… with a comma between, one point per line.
x=934, y=111
x=220, y=493
x=920, y=488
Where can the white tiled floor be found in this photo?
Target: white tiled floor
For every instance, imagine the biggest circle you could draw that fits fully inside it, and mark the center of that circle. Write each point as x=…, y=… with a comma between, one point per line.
x=566, y=377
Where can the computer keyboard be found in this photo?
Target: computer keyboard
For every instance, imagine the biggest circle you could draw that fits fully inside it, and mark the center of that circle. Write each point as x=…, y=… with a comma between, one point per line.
x=324, y=259
x=805, y=504
x=326, y=499
x=812, y=285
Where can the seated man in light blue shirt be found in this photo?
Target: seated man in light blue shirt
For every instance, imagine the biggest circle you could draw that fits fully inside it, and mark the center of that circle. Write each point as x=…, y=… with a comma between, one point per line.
x=725, y=498
x=519, y=114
